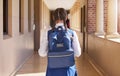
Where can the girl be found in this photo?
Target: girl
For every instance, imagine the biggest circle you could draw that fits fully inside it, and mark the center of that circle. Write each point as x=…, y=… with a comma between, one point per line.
x=59, y=17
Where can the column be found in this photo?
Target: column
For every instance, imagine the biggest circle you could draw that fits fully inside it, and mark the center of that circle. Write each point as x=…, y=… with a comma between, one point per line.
x=112, y=19
x=100, y=17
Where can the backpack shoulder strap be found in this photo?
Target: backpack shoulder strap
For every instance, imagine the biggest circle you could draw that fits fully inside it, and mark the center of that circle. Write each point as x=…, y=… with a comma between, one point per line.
x=49, y=32
x=71, y=33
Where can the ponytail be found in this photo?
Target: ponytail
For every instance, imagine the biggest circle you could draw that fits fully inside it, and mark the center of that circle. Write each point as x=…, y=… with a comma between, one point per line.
x=60, y=14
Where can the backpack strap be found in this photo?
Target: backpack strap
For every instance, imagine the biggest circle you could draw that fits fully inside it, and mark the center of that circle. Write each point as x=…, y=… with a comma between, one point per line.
x=71, y=33
x=49, y=32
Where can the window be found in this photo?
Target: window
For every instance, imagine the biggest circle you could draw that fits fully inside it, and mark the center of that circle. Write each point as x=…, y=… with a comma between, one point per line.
x=82, y=18
x=20, y=16
x=29, y=15
x=5, y=17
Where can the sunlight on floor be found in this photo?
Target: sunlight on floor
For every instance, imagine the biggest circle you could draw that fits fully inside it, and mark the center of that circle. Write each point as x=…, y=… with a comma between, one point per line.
x=115, y=39
x=102, y=36
x=32, y=74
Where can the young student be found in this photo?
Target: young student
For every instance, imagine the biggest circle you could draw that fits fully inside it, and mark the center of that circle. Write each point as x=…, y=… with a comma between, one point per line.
x=60, y=17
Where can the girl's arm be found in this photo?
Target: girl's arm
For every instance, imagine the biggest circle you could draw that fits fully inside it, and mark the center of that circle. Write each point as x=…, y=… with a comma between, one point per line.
x=43, y=50
x=76, y=45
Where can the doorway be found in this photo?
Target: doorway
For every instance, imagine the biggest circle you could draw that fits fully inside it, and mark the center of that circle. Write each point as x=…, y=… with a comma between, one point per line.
x=84, y=27
x=37, y=25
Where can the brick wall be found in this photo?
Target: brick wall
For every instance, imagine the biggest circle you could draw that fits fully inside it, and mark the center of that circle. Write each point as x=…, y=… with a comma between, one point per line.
x=118, y=16
x=92, y=15
x=105, y=14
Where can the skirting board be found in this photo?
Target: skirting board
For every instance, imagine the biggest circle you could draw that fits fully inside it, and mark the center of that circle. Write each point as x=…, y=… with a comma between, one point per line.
x=13, y=73
x=96, y=66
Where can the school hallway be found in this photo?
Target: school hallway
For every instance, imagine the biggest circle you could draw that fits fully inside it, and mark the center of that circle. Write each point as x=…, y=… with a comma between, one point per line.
x=36, y=65
x=24, y=25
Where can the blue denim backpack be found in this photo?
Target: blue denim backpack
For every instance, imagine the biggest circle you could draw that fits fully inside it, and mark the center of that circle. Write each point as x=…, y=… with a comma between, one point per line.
x=60, y=54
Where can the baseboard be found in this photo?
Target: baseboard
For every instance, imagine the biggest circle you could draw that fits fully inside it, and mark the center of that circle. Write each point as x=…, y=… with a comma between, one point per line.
x=96, y=66
x=16, y=70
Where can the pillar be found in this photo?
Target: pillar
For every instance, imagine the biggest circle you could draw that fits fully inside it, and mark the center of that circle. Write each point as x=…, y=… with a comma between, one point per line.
x=112, y=19
x=100, y=17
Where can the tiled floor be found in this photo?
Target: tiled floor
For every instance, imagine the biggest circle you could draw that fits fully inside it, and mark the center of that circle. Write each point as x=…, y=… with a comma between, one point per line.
x=36, y=66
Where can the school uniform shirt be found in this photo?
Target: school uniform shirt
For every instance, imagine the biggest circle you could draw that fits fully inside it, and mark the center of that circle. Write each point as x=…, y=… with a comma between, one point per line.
x=43, y=50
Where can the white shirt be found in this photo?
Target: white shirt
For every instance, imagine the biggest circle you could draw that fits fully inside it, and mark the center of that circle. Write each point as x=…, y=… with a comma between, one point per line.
x=43, y=50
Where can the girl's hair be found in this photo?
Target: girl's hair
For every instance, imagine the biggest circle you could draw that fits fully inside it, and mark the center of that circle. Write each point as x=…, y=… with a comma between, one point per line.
x=60, y=14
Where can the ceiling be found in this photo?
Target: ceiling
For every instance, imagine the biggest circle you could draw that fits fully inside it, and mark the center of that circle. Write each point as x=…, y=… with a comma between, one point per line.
x=53, y=4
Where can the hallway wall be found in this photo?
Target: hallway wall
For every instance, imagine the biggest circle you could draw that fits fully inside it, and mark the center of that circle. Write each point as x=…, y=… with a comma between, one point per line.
x=77, y=21
x=15, y=47
x=105, y=53
x=75, y=16
x=44, y=23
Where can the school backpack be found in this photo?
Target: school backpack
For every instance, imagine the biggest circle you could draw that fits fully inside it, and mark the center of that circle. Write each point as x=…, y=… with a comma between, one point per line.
x=60, y=48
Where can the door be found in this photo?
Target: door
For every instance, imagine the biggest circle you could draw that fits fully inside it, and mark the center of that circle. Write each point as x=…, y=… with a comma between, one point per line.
x=37, y=25
x=84, y=27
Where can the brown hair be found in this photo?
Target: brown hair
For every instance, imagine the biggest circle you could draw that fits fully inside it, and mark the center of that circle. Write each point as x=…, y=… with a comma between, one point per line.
x=60, y=14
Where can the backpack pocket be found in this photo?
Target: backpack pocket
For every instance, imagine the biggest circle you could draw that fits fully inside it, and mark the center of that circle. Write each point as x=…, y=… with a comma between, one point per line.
x=61, y=59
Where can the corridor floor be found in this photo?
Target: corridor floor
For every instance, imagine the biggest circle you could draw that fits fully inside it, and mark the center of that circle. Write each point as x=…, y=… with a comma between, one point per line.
x=36, y=66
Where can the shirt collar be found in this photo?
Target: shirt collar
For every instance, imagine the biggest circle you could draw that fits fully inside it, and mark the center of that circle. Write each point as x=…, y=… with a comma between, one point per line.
x=59, y=24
